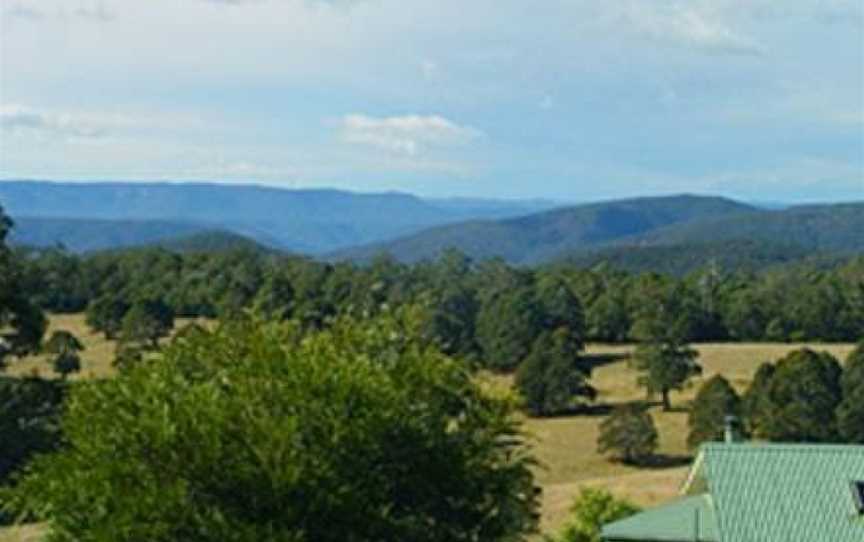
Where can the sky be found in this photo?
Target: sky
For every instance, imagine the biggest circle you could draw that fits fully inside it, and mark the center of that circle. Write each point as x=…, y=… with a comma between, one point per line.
x=569, y=100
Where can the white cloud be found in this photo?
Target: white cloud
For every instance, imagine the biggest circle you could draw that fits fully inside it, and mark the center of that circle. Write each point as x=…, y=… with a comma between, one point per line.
x=17, y=119
x=409, y=134
x=688, y=25
x=94, y=10
x=85, y=125
x=20, y=10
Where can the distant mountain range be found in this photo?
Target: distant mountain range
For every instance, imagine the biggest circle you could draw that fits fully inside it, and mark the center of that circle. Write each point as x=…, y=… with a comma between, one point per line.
x=307, y=221
x=84, y=235
x=672, y=234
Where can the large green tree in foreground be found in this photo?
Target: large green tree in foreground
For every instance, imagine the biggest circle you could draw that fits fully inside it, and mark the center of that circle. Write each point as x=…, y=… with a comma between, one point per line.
x=256, y=432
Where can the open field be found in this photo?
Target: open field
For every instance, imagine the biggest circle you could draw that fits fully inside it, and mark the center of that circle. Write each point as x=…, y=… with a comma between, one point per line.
x=96, y=359
x=26, y=533
x=565, y=446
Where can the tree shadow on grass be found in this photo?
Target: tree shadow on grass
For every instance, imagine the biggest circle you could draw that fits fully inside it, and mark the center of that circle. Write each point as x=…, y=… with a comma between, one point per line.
x=665, y=461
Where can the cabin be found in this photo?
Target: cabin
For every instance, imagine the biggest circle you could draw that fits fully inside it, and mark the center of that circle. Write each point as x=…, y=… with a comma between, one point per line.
x=749, y=492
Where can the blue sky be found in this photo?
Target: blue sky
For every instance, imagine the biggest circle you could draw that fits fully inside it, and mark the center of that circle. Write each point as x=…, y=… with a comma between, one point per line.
x=571, y=100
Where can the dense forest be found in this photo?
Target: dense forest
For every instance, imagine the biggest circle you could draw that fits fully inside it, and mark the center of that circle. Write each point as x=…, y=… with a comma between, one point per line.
x=787, y=303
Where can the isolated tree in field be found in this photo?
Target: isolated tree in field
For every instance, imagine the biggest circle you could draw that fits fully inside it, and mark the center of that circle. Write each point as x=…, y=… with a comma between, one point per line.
x=715, y=400
x=803, y=396
x=756, y=402
x=551, y=377
x=850, y=413
x=662, y=357
x=507, y=326
x=105, y=314
x=256, y=432
x=146, y=322
x=628, y=434
x=590, y=511
x=66, y=347
x=665, y=366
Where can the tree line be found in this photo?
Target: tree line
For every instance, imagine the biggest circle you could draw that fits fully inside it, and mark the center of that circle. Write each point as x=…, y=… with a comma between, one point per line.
x=792, y=303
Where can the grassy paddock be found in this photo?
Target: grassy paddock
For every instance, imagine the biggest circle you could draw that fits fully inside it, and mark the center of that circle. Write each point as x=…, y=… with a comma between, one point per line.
x=96, y=359
x=565, y=446
x=25, y=533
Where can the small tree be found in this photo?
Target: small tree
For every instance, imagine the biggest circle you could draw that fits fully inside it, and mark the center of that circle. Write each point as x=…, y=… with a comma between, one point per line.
x=803, y=396
x=663, y=358
x=850, y=413
x=591, y=510
x=665, y=366
x=67, y=363
x=63, y=341
x=715, y=401
x=628, y=434
x=66, y=347
x=551, y=377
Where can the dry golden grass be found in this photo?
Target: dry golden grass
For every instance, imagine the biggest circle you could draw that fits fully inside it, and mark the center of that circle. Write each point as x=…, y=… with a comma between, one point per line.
x=96, y=359
x=25, y=533
x=566, y=446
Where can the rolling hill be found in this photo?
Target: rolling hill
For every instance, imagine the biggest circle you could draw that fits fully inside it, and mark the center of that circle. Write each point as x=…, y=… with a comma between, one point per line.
x=825, y=228
x=308, y=221
x=548, y=235
x=672, y=234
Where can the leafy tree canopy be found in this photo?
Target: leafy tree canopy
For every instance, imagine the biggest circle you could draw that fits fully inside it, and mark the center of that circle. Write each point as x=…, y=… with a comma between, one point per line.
x=551, y=377
x=591, y=510
x=628, y=434
x=802, y=398
x=715, y=401
x=258, y=432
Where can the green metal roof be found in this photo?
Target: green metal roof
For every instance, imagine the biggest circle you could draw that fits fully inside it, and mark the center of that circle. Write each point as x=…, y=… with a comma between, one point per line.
x=761, y=493
x=785, y=492
x=690, y=518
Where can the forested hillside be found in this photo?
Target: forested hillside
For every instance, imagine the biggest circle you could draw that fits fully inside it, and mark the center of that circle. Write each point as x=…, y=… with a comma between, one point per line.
x=544, y=236
x=640, y=234
x=837, y=227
